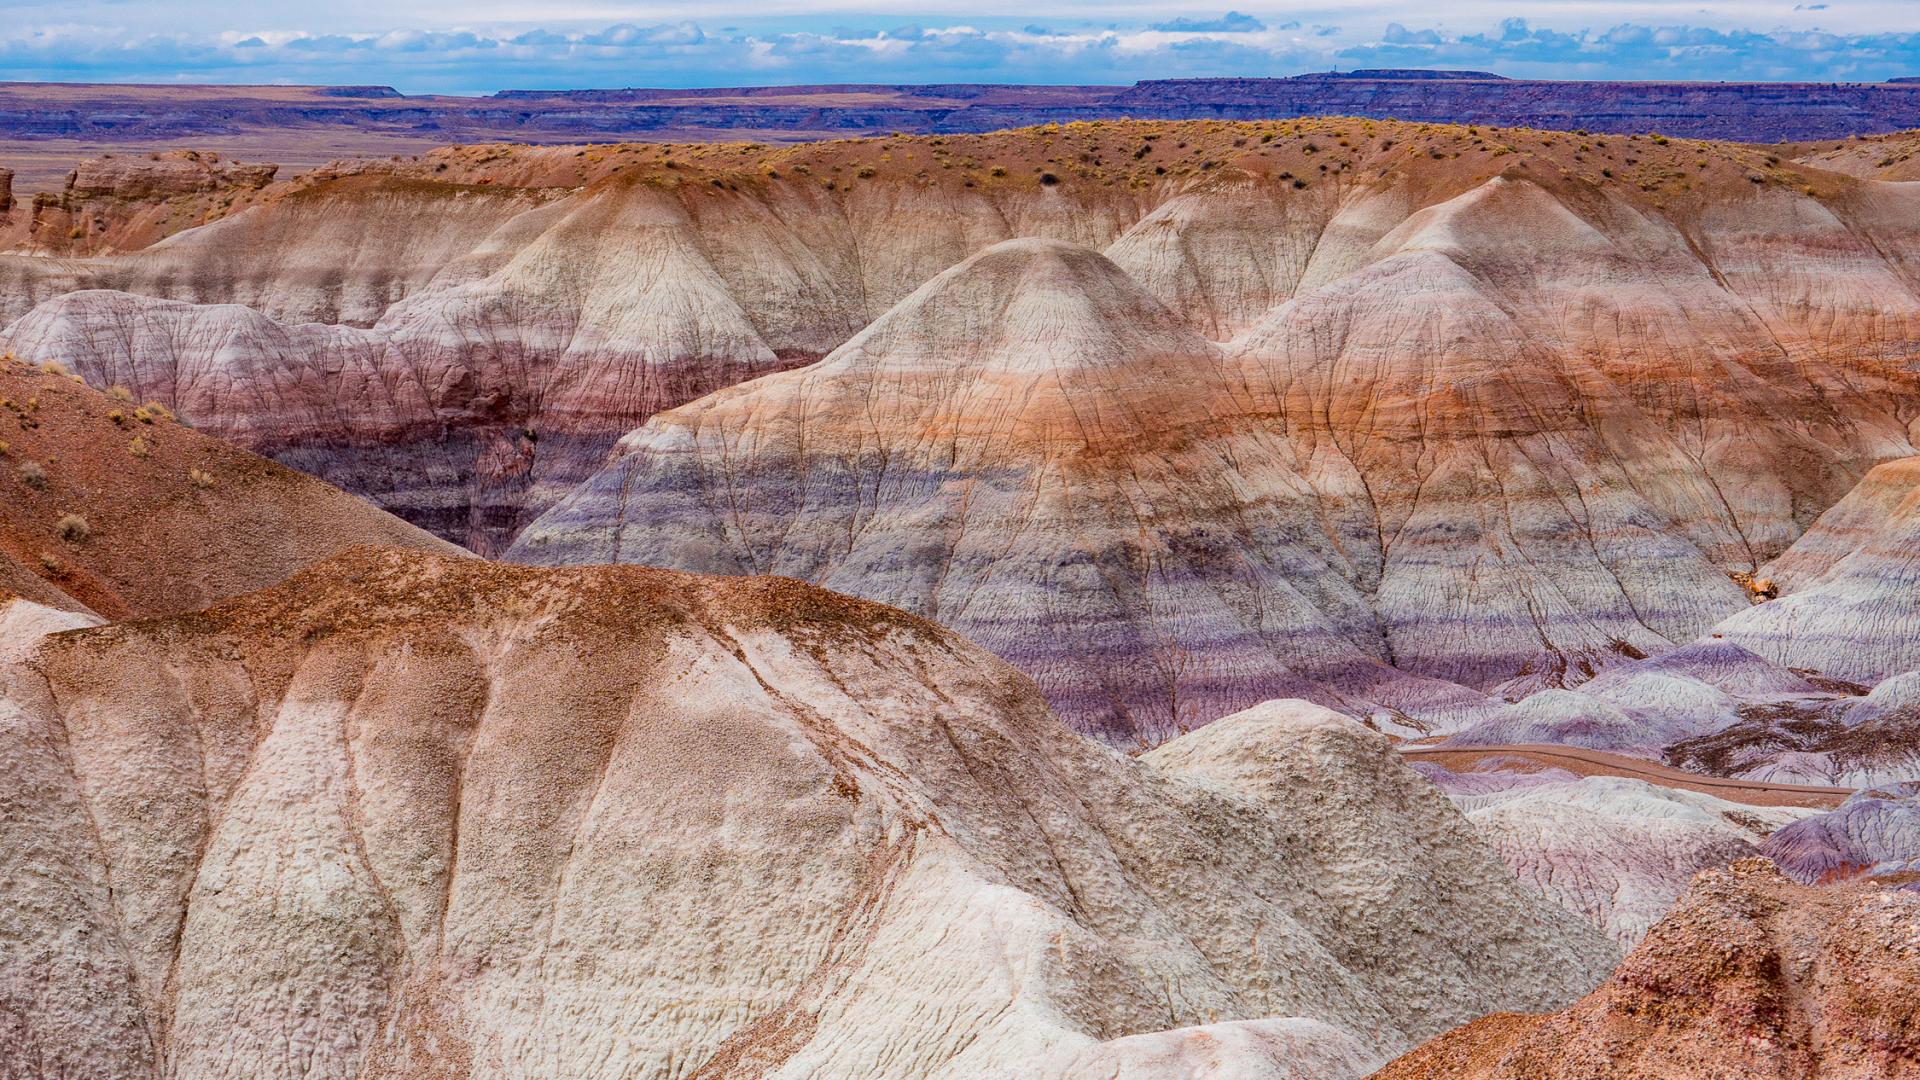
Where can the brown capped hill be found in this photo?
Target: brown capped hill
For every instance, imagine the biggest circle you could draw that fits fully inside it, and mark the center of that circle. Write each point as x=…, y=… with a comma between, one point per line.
x=118, y=507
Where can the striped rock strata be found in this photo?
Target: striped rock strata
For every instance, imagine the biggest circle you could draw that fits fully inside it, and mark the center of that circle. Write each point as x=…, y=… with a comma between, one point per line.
x=1494, y=408
x=1349, y=485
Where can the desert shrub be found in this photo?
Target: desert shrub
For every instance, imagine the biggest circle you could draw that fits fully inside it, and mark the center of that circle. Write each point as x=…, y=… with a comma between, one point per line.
x=201, y=478
x=52, y=564
x=32, y=475
x=73, y=529
x=139, y=447
x=117, y=417
x=119, y=393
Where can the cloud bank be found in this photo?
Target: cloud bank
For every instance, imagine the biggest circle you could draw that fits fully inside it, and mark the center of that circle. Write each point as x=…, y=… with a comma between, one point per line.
x=722, y=51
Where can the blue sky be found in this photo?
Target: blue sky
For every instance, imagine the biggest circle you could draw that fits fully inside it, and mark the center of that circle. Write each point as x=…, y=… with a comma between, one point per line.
x=483, y=45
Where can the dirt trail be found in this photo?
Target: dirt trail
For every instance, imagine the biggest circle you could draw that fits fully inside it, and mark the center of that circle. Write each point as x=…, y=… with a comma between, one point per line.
x=1600, y=763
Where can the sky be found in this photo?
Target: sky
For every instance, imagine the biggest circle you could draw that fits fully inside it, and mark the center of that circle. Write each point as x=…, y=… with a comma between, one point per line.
x=478, y=46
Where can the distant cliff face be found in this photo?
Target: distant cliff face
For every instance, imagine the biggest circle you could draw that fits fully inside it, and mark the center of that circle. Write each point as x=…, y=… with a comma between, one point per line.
x=1744, y=112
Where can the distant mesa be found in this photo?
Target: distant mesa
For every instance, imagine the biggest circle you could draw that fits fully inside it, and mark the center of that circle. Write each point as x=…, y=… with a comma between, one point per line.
x=1406, y=74
x=359, y=92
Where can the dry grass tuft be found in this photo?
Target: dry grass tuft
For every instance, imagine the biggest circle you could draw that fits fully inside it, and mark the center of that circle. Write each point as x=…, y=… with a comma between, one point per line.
x=73, y=529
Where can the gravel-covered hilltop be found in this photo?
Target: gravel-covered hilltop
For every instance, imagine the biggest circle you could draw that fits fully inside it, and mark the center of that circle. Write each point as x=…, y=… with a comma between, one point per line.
x=114, y=508
x=1750, y=975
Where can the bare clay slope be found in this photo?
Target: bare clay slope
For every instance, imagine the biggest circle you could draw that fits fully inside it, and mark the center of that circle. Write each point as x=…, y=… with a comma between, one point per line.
x=118, y=508
x=1849, y=605
x=1750, y=975
x=416, y=816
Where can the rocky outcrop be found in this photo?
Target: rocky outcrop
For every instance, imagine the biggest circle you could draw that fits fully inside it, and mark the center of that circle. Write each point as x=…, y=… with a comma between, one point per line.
x=116, y=508
x=413, y=815
x=1751, y=975
x=161, y=176
x=125, y=203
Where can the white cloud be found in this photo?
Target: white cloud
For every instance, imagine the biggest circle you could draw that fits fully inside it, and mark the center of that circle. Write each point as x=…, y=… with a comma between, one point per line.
x=1074, y=44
